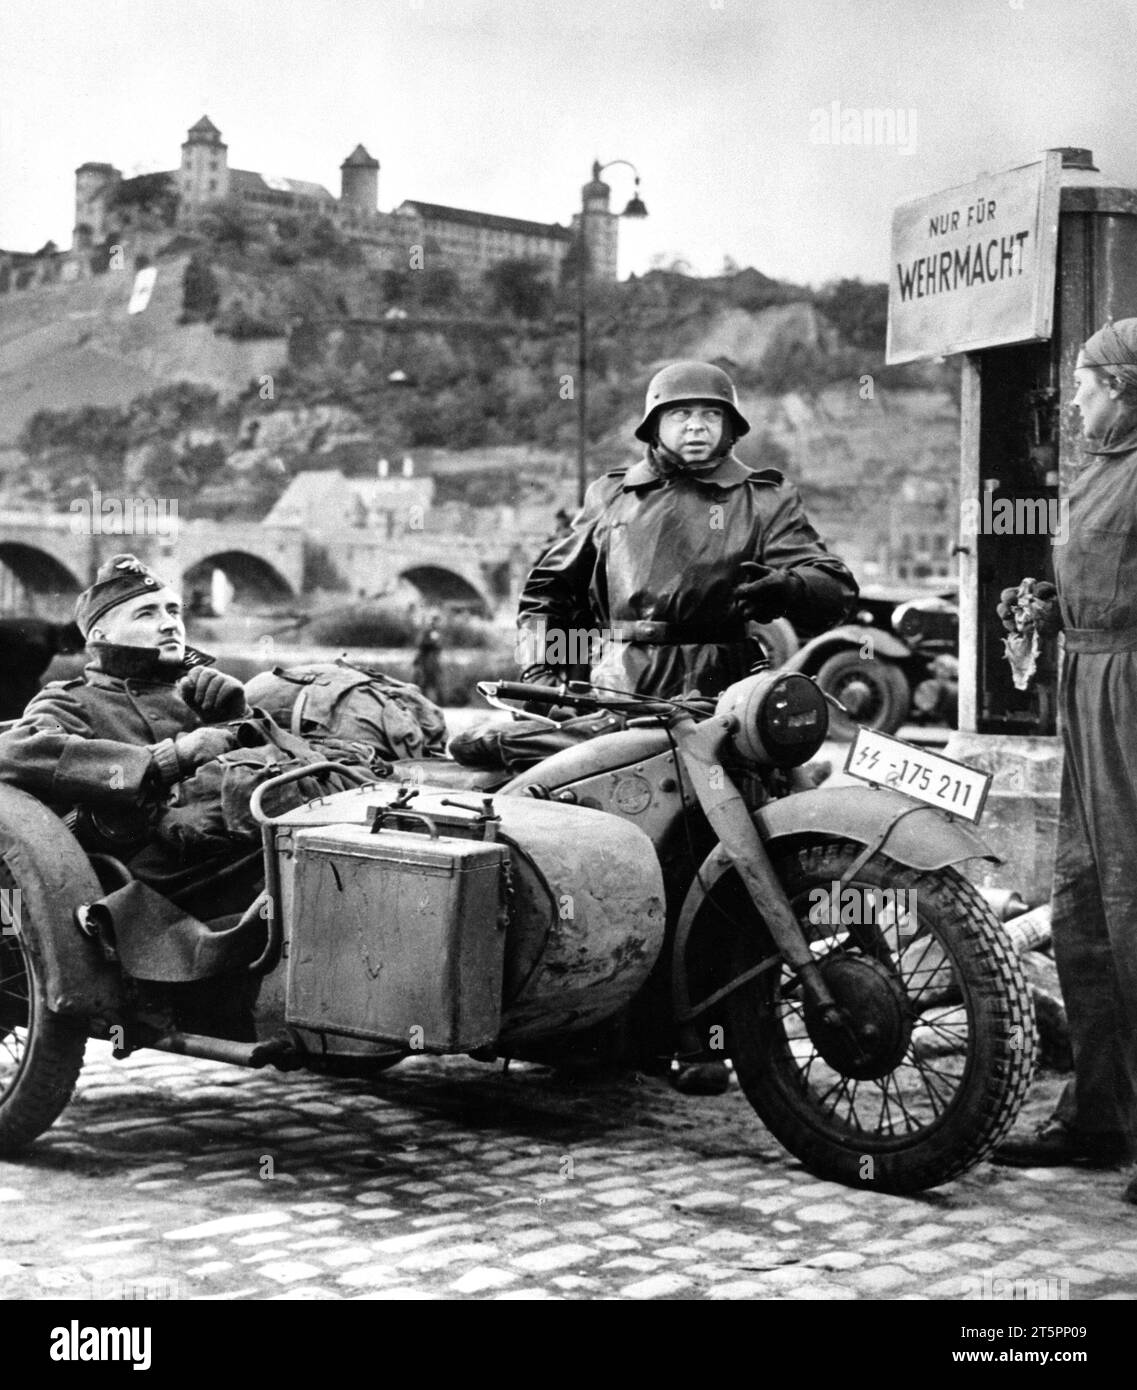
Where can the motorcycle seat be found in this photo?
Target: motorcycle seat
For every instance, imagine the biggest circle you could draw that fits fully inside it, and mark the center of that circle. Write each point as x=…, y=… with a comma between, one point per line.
x=444, y=772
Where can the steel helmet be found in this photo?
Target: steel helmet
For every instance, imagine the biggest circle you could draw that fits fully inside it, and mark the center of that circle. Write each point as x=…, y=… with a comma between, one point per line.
x=690, y=381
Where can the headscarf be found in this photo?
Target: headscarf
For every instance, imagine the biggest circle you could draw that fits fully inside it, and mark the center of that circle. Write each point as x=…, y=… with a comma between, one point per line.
x=1113, y=349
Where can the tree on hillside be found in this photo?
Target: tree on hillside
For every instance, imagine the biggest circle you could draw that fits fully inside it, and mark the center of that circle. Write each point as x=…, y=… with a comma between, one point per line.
x=200, y=293
x=321, y=240
x=228, y=224
x=519, y=288
x=73, y=449
x=151, y=196
x=858, y=311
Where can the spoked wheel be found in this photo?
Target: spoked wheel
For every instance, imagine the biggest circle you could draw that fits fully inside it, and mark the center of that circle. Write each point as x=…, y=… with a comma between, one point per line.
x=934, y=1052
x=41, y=1053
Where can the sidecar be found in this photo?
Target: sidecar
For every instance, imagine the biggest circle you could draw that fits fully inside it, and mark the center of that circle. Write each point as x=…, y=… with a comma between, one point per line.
x=396, y=918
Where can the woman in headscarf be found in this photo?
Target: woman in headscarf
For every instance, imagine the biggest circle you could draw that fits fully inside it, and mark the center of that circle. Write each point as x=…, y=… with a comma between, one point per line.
x=1094, y=902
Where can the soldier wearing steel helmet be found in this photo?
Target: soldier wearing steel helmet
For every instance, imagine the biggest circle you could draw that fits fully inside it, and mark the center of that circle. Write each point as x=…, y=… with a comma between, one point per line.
x=672, y=556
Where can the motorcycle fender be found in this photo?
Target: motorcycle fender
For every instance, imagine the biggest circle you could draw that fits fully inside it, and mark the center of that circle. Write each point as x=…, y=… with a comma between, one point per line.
x=915, y=835
x=53, y=878
x=839, y=639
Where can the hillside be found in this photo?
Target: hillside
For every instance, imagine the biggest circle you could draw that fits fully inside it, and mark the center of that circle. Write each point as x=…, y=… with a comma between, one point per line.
x=70, y=345
x=325, y=362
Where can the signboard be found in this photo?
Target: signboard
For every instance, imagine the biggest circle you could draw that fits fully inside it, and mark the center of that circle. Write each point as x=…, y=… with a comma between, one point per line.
x=143, y=287
x=973, y=267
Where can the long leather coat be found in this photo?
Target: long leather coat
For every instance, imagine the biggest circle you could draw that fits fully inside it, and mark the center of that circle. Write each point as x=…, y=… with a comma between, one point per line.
x=665, y=545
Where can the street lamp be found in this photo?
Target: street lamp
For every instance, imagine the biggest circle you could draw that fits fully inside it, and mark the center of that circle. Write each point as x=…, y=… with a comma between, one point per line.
x=598, y=192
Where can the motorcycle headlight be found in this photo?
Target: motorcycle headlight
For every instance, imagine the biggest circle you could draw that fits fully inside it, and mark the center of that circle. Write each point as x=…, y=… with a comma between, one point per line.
x=780, y=718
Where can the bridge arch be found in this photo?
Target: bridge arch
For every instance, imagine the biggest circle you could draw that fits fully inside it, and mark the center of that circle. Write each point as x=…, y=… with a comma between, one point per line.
x=439, y=585
x=34, y=581
x=254, y=580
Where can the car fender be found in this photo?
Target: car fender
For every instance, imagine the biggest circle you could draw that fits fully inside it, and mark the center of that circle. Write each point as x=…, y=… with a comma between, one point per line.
x=819, y=649
x=54, y=878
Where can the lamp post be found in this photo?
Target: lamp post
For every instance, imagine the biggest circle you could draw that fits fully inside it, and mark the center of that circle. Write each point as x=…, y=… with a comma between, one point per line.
x=635, y=209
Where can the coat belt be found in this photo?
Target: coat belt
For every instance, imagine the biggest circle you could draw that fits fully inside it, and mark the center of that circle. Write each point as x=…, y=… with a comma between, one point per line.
x=678, y=634
x=1101, y=639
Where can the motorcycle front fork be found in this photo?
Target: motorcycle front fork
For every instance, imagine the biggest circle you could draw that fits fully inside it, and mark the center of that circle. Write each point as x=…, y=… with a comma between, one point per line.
x=701, y=752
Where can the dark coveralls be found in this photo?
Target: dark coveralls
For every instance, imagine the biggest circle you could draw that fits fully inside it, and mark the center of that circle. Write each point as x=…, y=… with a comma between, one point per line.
x=1094, y=904
x=104, y=744
x=654, y=557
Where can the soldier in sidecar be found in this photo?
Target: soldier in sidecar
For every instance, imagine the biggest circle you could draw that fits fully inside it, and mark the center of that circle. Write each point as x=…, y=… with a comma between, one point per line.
x=106, y=750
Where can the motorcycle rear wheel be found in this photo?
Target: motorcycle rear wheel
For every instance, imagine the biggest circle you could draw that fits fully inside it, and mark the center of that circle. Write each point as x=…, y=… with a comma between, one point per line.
x=945, y=1038
x=41, y=1053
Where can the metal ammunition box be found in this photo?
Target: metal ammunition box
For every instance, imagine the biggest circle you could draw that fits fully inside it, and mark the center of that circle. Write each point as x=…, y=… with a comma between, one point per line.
x=397, y=936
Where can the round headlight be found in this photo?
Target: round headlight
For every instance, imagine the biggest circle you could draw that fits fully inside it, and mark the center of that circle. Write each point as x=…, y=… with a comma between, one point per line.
x=781, y=718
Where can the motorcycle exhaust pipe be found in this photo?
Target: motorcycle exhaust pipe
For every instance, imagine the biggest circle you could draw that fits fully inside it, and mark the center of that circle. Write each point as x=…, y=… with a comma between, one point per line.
x=276, y=1051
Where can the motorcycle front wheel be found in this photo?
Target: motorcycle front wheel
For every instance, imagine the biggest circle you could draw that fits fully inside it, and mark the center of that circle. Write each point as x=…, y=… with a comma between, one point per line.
x=935, y=1050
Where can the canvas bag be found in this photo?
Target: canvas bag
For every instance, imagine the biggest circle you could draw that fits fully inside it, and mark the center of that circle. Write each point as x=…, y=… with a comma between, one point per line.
x=359, y=703
x=210, y=810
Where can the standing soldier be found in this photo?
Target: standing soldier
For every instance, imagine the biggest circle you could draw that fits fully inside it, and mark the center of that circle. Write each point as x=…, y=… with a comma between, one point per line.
x=427, y=667
x=670, y=559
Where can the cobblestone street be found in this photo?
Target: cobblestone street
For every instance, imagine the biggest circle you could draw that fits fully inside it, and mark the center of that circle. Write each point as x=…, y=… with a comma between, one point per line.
x=176, y=1178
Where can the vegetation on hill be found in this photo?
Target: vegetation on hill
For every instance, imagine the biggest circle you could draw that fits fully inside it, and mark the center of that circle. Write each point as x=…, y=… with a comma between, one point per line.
x=407, y=359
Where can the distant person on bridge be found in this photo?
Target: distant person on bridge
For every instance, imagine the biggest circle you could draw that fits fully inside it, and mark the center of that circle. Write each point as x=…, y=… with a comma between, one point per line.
x=426, y=670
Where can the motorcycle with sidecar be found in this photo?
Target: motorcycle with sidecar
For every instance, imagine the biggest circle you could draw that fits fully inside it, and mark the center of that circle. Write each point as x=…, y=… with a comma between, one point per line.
x=676, y=886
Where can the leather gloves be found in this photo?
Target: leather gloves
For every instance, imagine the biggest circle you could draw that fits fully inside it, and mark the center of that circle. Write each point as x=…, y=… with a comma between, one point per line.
x=202, y=746
x=544, y=675
x=766, y=593
x=1033, y=603
x=212, y=695
x=547, y=675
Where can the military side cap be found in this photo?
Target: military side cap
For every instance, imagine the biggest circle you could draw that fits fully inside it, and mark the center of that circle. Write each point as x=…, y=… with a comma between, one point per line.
x=119, y=579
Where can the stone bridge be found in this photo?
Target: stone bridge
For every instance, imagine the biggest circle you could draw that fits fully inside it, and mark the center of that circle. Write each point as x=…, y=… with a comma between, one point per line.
x=46, y=558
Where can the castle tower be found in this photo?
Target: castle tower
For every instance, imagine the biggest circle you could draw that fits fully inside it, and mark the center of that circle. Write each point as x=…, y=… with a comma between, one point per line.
x=93, y=182
x=204, y=175
x=600, y=227
x=359, y=181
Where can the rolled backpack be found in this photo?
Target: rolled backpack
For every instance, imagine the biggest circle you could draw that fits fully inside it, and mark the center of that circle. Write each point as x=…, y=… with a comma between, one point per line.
x=356, y=703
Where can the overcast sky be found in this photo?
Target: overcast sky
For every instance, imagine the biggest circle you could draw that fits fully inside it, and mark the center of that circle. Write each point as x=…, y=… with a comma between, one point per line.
x=501, y=106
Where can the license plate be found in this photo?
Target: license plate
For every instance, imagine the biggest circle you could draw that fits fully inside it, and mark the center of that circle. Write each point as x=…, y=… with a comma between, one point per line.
x=930, y=777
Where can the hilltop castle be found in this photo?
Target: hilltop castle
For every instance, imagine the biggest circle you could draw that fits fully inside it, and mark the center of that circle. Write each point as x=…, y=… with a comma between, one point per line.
x=466, y=241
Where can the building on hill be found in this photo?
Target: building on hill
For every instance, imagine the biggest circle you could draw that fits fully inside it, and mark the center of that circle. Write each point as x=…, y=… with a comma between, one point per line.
x=472, y=242
x=467, y=242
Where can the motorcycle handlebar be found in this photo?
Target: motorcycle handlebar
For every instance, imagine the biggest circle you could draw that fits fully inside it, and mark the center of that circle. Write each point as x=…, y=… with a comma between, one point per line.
x=540, y=694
